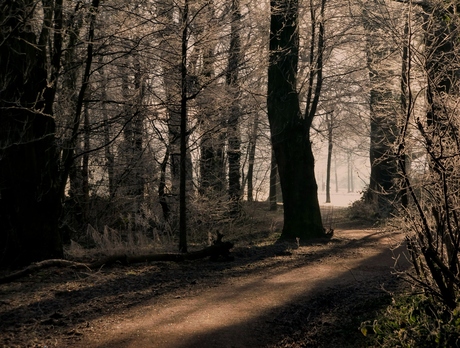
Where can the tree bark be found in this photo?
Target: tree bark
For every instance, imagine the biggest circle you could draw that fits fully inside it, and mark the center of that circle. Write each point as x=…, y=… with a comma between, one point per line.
x=29, y=177
x=251, y=157
x=234, y=140
x=212, y=163
x=273, y=192
x=329, y=123
x=289, y=129
x=68, y=152
x=383, y=120
x=183, y=135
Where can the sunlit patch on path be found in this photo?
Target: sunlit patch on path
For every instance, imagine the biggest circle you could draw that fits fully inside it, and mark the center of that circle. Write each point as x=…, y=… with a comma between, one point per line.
x=235, y=314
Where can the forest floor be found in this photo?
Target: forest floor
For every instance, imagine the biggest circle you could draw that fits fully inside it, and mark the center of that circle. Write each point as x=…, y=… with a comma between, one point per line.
x=271, y=295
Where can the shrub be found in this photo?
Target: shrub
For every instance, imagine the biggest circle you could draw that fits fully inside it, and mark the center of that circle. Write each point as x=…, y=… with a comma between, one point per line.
x=415, y=321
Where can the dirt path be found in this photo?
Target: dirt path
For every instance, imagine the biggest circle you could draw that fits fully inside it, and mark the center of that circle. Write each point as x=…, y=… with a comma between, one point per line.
x=247, y=308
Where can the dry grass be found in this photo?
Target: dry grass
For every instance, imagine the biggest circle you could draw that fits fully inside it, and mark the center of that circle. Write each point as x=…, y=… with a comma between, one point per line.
x=257, y=226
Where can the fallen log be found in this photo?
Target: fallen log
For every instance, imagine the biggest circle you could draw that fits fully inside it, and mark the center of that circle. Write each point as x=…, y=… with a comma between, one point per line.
x=214, y=251
x=35, y=267
x=218, y=251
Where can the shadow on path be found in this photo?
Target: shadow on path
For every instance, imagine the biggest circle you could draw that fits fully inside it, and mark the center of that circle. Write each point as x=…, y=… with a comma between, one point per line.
x=258, y=307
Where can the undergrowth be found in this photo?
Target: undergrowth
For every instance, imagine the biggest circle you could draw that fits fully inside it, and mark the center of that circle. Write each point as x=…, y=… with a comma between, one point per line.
x=414, y=321
x=138, y=235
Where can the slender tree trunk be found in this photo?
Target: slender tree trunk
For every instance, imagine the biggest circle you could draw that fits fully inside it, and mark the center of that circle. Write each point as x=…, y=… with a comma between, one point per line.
x=132, y=179
x=161, y=187
x=73, y=205
x=273, y=194
x=212, y=164
x=171, y=43
x=251, y=157
x=183, y=135
x=336, y=177
x=69, y=151
x=350, y=172
x=402, y=155
x=137, y=142
x=234, y=141
x=329, y=123
x=109, y=157
x=85, y=163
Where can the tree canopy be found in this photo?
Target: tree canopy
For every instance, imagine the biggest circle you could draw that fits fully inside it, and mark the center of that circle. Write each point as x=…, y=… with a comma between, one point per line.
x=158, y=118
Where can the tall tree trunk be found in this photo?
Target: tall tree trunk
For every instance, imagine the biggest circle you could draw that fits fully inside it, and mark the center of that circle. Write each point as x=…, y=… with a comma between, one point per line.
x=171, y=44
x=383, y=162
x=68, y=152
x=73, y=205
x=234, y=141
x=109, y=157
x=133, y=133
x=402, y=154
x=289, y=128
x=138, y=134
x=212, y=164
x=161, y=187
x=29, y=176
x=329, y=123
x=85, y=162
x=383, y=126
x=183, y=135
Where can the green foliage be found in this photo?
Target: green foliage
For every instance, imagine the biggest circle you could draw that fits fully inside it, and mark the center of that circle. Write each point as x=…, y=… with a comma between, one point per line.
x=415, y=321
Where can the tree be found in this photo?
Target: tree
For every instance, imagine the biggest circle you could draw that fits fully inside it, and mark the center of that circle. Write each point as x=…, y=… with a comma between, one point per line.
x=273, y=191
x=183, y=132
x=288, y=126
x=330, y=144
x=433, y=211
x=383, y=128
x=251, y=156
x=30, y=189
x=234, y=140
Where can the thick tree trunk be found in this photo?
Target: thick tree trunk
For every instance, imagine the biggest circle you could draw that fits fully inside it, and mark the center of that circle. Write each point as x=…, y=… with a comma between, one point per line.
x=302, y=216
x=384, y=170
x=289, y=130
x=383, y=120
x=29, y=177
x=29, y=190
x=212, y=165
